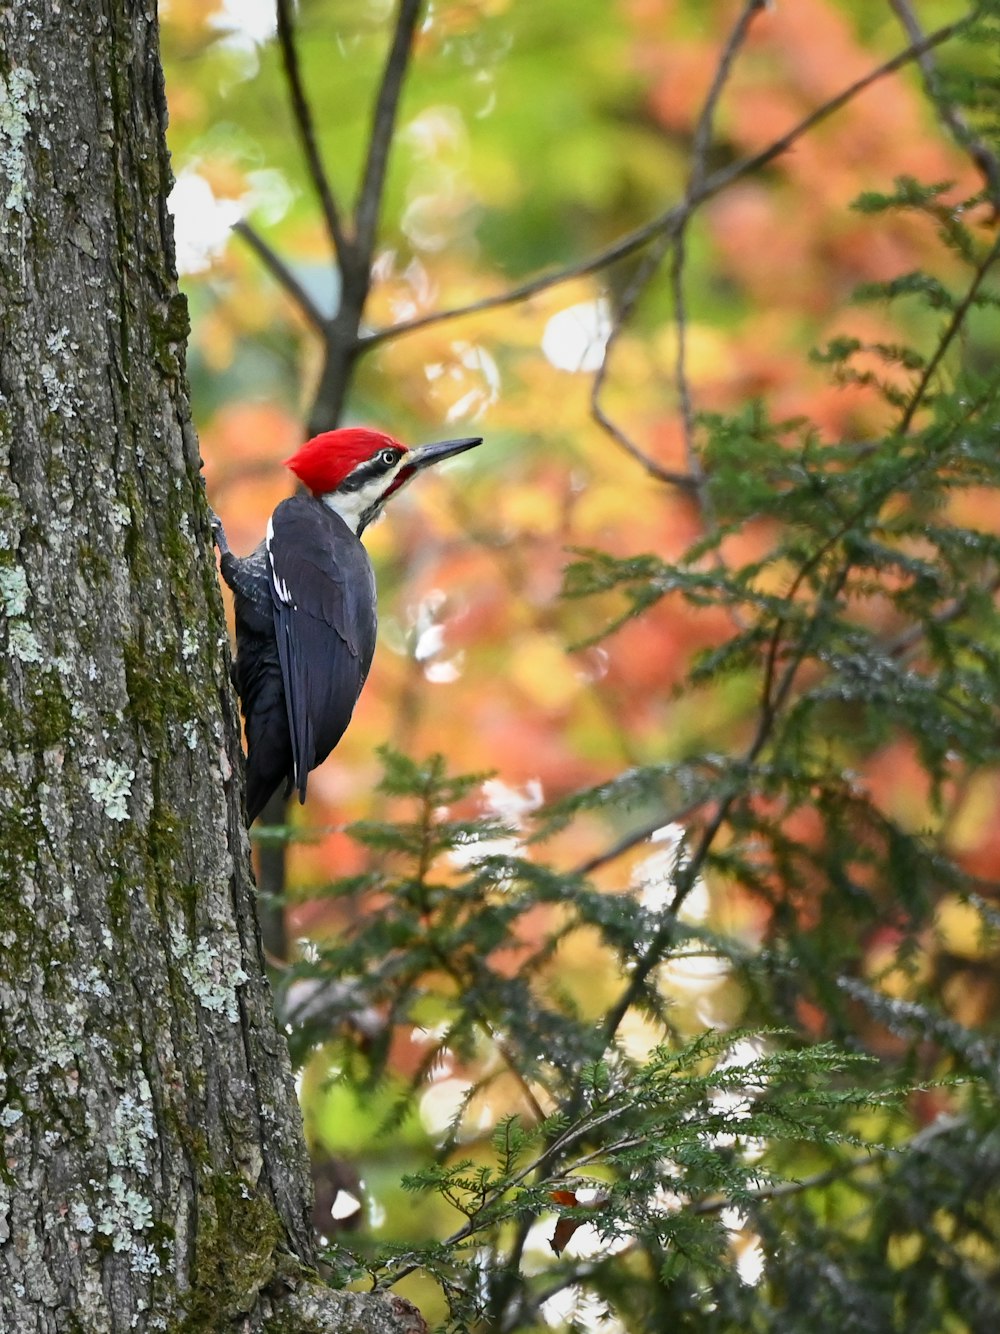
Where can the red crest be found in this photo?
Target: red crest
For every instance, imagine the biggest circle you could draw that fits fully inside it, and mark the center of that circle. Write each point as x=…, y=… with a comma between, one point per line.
x=324, y=461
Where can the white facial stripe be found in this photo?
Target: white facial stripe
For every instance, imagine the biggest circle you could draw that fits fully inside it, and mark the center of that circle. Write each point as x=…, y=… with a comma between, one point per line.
x=352, y=506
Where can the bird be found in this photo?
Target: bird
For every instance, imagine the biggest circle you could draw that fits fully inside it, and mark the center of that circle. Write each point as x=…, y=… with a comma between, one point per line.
x=305, y=602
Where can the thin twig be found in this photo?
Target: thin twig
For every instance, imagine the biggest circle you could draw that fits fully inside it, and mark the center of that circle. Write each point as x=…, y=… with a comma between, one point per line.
x=661, y=474
x=949, y=335
x=640, y=237
x=281, y=273
x=984, y=159
x=699, y=164
x=693, y=479
x=636, y=836
x=620, y=249
x=681, y=382
x=653, y=953
x=642, y=277
x=383, y=122
x=306, y=130
x=706, y=119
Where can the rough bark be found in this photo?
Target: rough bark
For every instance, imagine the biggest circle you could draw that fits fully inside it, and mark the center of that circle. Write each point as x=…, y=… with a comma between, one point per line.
x=153, y=1173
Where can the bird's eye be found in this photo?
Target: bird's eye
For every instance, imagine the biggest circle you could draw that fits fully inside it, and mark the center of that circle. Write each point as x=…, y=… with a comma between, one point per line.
x=388, y=457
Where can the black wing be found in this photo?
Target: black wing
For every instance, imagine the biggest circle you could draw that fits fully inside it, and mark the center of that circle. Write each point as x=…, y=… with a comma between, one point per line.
x=323, y=591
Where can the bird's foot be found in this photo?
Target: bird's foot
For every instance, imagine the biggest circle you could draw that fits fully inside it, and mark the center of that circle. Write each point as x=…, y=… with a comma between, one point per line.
x=218, y=532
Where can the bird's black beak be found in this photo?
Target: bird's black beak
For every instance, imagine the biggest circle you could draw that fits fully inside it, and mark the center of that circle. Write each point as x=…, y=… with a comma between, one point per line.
x=418, y=459
x=423, y=457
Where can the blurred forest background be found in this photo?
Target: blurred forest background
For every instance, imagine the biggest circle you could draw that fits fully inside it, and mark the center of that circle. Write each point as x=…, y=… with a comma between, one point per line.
x=736, y=370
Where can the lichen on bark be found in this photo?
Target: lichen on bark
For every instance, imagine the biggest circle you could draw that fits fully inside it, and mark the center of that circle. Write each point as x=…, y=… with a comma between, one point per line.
x=152, y=1170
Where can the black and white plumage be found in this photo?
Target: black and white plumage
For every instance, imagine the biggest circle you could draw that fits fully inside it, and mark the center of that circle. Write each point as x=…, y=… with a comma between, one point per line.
x=306, y=623
x=306, y=605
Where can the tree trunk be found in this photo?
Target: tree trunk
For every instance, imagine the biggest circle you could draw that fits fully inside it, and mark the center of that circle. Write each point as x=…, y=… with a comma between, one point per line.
x=153, y=1173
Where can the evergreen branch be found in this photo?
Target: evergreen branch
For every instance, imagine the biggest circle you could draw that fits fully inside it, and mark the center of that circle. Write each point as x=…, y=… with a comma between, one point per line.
x=482, y=1020
x=281, y=273
x=383, y=123
x=493, y=1197
x=666, y=222
x=580, y=1273
x=654, y=951
x=779, y=1190
x=772, y=702
x=605, y=1152
x=306, y=129
x=903, y=643
x=465, y=985
x=771, y=699
x=774, y=695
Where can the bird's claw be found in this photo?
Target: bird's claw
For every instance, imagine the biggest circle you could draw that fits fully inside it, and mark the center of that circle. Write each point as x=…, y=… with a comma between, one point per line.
x=218, y=532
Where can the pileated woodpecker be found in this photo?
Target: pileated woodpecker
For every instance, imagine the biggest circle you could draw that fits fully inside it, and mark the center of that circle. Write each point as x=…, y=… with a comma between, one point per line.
x=305, y=603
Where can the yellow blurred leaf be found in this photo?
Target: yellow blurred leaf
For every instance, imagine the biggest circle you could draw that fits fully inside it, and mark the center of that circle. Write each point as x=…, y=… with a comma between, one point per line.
x=604, y=506
x=531, y=508
x=977, y=813
x=903, y=1250
x=960, y=928
x=540, y=668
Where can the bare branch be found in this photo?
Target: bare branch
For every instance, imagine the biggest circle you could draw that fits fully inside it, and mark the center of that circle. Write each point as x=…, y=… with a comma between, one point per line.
x=640, y=237
x=281, y=273
x=949, y=115
x=656, y=470
x=306, y=129
x=383, y=123
x=341, y=341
